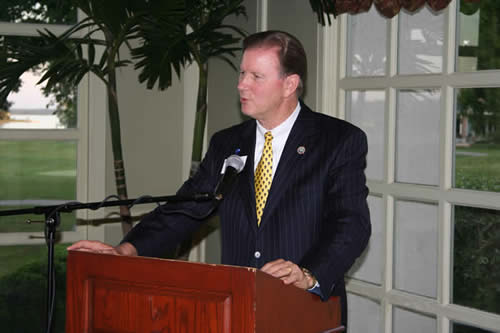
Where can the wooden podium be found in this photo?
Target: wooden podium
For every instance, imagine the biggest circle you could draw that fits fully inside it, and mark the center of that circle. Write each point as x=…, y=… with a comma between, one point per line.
x=108, y=293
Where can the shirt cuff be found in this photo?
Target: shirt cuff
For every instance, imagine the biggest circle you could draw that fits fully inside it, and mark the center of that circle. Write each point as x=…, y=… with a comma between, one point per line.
x=316, y=289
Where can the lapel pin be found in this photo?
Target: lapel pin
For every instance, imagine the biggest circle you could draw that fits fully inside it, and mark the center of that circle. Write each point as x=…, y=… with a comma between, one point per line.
x=301, y=150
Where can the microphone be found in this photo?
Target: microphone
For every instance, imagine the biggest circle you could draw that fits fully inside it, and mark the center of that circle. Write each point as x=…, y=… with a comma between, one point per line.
x=234, y=165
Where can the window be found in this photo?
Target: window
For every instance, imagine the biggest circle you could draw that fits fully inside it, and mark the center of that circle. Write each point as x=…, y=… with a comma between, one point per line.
x=425, y=88
x=43, y=154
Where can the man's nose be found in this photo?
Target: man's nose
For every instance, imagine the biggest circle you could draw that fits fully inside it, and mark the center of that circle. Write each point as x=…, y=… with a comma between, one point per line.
x=242, y=82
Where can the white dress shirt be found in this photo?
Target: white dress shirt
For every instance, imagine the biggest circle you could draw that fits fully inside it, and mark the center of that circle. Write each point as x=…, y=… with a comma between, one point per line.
x=280, y=135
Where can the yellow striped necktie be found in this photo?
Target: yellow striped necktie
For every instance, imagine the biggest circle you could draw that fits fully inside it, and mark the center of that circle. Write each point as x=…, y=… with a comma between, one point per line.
x=263, y=176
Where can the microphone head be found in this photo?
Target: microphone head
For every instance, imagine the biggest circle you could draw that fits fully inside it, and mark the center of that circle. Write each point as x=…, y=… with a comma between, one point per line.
x=235, y=162
x=234, y=165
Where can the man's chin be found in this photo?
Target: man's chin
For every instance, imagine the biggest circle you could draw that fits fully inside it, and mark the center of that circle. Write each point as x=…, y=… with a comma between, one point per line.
x=246, y=110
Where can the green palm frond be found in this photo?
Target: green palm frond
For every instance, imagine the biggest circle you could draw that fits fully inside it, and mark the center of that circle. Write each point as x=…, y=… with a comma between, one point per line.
x=163, y=46
x=193, y=33
x=64, y=55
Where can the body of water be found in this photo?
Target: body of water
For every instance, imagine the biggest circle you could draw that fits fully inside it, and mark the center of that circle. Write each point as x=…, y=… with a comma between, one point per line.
x=32, y=119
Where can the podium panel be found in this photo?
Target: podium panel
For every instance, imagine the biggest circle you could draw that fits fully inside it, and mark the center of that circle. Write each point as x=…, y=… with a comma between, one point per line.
x=108, y=293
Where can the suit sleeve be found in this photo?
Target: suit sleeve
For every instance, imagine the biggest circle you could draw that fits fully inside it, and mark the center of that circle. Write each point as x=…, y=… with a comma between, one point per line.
x=346, y=224
x=161, y=230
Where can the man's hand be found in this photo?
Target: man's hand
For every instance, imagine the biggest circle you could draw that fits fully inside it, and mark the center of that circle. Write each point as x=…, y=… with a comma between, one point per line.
x=125, y=249
x=289, y=273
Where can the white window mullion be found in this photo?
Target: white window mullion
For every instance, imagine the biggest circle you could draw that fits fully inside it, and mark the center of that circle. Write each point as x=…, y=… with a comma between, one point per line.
x=327, y=69
x=29, y=29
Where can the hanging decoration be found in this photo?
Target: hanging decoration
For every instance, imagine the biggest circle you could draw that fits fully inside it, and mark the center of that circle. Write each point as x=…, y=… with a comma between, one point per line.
x=388, y=8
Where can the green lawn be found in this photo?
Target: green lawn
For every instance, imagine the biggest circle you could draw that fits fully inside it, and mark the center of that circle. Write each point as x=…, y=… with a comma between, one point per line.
x=480, y=170
x=16, y=256
x=36, y=170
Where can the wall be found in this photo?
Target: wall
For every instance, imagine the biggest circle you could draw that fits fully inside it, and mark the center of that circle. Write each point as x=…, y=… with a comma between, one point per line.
x=152, y=141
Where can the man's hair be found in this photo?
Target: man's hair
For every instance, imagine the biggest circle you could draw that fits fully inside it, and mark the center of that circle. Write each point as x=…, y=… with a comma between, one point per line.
x=291, y=54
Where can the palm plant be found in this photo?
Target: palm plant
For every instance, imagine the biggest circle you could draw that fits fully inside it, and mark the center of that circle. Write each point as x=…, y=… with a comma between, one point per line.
x=69, y=57
x=204, y=36
x=170, y=34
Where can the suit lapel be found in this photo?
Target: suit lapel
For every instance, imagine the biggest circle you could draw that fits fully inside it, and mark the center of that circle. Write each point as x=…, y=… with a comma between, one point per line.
x=247, y=190
x=300, y=136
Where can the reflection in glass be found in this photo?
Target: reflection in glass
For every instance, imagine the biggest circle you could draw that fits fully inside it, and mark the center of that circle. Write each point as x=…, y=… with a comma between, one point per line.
x=366, y=110
x=421, y=37
x=368, y=267
x=369, y=321
x=33, y=106
x=39, y=11
x=477, y=35
x=476, y=258
x=412, y=322
x=366, y=50
x=416, y=248
x=477, y=139
x=23, y=281
x=417, y=136
x=36, y=173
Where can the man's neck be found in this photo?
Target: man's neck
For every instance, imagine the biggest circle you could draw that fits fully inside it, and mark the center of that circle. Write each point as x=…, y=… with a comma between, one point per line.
x=281, y=114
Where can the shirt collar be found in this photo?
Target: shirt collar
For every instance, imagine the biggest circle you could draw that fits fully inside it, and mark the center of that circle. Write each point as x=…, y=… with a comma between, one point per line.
x=283, y=128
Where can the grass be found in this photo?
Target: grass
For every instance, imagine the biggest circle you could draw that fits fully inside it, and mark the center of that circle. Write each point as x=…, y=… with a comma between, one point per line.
x=16, y=256
x=478, y=172
x=36, y=170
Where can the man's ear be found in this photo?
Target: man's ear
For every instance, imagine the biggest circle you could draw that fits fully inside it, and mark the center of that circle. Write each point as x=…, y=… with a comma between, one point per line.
x=291, y=84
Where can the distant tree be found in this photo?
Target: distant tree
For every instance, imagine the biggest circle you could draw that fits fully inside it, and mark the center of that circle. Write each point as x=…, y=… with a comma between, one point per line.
x=63, y=98
x=38, y=11
x=482, y=105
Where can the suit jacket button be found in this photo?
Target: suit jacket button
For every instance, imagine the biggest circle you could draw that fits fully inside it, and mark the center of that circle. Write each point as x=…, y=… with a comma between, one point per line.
x=257, y=254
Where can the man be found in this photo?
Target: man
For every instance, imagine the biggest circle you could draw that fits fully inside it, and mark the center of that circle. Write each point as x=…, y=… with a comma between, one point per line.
x=309, y=224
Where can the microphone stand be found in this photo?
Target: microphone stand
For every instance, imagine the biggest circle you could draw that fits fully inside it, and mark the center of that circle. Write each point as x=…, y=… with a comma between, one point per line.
x=52, y=220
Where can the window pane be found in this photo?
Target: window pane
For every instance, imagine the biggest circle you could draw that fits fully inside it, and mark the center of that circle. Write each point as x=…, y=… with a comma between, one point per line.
x=32, y=106
x=369, y=266
x=39, y=11
x=23, y=287
x=417, y=136
x=416, y=248
x=461, y=328
x=366, y=110
x=476, y=258
x=412, y=322
x=421, y=42
x=477, y=142
x=363, y=314
x=36, y=173
x=477, y=35
x=366, y=49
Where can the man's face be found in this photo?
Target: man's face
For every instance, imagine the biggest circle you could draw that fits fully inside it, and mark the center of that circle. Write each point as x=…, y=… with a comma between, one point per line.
x=261, y=84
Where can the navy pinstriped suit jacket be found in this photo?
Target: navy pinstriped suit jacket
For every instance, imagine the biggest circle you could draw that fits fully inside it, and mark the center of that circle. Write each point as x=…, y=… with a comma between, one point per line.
x=316, y=213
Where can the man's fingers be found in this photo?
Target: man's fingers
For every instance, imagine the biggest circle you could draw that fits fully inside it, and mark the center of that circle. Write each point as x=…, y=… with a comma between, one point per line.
x=271, y=266
x=90, y=246
x=287, y=271
x=278, y=268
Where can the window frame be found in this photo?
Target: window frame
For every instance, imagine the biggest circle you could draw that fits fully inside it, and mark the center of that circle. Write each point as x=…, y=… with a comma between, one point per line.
x=90, y=135
x=332, y=78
